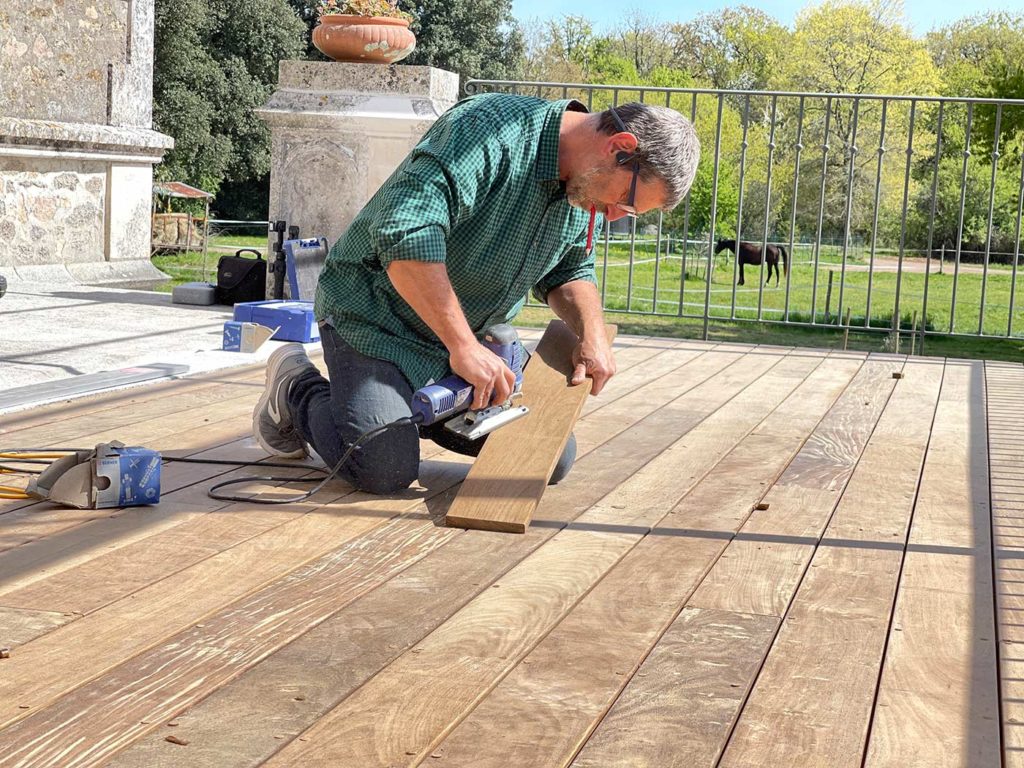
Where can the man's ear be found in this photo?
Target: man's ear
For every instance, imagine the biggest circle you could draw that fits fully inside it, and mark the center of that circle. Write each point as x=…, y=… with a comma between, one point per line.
x=623, y=146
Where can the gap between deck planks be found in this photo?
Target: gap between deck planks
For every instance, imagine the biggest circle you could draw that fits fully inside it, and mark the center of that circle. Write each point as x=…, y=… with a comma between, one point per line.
x=938, y=700
x=694, y=682
x=814, y=695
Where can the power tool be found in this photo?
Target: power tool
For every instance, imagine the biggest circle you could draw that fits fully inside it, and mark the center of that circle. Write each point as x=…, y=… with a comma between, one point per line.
x=453, y=396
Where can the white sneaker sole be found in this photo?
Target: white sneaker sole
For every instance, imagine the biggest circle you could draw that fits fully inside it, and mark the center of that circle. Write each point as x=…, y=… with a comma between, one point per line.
x=274, y=363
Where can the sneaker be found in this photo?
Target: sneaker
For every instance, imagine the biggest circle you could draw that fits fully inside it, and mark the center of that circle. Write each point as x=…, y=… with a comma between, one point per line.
x=272, y=420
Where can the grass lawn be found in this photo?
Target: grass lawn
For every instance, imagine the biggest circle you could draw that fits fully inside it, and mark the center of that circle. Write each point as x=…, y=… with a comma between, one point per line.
x=185, y=267
x=633, y=290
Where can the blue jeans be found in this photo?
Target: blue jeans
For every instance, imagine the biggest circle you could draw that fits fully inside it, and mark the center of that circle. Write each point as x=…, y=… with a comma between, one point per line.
x=364, y=393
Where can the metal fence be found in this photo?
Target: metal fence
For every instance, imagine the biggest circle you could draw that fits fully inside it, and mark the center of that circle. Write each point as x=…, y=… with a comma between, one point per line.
x=895, y=213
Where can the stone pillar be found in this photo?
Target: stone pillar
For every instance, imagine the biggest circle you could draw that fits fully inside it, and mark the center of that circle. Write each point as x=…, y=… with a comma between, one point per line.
x=339, y=130
x=76, y=146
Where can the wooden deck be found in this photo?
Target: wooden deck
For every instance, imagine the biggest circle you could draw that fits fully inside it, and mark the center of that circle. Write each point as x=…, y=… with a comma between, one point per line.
x=763, y=557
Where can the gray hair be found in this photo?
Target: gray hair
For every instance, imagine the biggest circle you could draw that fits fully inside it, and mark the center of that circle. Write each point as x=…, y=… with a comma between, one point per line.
x=667, y=145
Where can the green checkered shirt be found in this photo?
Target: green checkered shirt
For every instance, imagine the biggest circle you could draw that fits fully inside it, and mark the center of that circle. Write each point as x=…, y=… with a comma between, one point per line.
x=479, y=193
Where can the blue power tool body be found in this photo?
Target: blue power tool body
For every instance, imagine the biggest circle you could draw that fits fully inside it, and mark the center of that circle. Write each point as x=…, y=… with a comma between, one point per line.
x=452, y=396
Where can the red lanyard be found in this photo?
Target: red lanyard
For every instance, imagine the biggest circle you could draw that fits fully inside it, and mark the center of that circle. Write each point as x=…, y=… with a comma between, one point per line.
x=590, y=229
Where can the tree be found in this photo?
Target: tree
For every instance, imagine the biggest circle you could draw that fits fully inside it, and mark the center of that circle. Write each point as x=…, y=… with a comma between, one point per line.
x=974, y=52
x=642, y=42
x=212, y=67
x=982, y=56
x=854, y=47
x=475, y=38
x=735, y=48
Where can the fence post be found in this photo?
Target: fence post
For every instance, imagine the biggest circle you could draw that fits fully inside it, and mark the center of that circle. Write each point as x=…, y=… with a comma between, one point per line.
x=913, y=334
x=828, y=298
x=942, y=255
x=846, y=331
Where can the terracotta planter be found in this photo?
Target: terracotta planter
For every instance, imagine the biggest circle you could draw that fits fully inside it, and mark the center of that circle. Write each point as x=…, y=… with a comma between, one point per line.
x=370, y=39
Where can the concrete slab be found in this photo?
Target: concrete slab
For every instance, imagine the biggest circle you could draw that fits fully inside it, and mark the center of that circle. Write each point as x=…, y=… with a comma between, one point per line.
x=49, y=333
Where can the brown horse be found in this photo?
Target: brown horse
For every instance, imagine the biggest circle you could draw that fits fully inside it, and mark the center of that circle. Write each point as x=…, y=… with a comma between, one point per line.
x=750, y=253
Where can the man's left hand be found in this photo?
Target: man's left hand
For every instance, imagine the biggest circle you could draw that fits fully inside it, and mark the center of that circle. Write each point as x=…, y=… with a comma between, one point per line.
x=593, y=358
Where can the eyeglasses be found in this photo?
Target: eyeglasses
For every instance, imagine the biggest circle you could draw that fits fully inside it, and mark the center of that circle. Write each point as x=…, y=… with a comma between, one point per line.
x=621, y=159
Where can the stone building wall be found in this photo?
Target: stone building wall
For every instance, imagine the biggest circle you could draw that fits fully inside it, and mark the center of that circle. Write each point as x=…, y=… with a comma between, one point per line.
x=76, y=145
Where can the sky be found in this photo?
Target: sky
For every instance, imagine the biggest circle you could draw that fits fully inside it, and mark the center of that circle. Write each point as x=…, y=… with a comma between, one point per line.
x=922, y=15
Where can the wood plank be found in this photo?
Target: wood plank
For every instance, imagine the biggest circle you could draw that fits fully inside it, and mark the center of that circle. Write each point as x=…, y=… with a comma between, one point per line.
x=1004, y=384
x=111, y=576
x=667, y=356
x=18, y=626
x=550, y=702
x=45, y=557
x=670, y=714
x=510, y=475
x=124, y=405
x=310, y=676
x=814, y=696
x=759, y=571
x=596, y=428
x=430, y=689
x=53, y=664
x=938, y=701
x=706, y=659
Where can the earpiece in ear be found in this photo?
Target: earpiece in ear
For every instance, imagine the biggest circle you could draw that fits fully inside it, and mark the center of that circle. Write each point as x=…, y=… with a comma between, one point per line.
x=623, y=157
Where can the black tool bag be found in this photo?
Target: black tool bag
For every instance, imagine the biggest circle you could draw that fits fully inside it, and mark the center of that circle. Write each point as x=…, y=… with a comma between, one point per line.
x=241, y=279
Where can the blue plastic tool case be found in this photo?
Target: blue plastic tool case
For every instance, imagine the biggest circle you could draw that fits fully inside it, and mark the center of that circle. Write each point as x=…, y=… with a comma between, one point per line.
x=293, y=319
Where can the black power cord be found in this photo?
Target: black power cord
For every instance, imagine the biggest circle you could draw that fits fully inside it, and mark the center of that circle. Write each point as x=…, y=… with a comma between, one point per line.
x=213, y=491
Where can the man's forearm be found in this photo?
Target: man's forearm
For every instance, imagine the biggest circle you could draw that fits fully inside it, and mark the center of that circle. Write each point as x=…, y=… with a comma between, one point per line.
x=579, y=304
x=425, y=287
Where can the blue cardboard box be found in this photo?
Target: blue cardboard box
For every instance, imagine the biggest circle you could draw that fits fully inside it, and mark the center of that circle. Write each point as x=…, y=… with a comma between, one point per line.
x=132, y=477
x=293, y=319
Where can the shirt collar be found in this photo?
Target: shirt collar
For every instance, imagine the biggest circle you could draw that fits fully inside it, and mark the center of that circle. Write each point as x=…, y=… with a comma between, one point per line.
x=547, y=152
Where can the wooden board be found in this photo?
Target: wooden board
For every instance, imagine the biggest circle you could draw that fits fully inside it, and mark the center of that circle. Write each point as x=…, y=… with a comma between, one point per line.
x=938, y=702
x=549, y=703
x=54, y=664
x=508, y=478
x=1005, y=393
x=728, y=652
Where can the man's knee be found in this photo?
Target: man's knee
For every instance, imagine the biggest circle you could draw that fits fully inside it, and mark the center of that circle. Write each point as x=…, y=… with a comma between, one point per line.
x=565, y=461
x=386, y=464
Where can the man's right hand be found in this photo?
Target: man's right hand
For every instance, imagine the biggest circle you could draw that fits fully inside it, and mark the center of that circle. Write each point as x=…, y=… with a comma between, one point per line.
x=492, y=380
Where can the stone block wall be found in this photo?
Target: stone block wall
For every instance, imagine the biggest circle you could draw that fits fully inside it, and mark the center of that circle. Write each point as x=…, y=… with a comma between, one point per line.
x=76, y=145
x=338, y=131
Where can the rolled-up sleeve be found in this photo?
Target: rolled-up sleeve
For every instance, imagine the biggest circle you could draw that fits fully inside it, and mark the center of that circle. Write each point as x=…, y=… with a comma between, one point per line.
x=439, y=186
x=575, y=264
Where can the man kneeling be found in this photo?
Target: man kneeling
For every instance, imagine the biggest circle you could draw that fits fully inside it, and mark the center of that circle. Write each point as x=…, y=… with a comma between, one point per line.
x=501, y=197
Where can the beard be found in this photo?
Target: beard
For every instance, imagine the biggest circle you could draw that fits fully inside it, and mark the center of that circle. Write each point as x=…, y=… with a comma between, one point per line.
x=580, y=190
